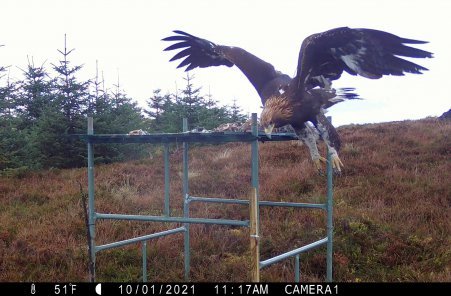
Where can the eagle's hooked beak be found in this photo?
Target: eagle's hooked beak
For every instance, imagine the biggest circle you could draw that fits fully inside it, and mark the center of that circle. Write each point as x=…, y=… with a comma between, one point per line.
x=268, y=130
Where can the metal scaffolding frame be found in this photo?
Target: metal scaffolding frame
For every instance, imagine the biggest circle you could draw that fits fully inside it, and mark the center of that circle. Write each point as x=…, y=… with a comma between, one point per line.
x=253, y=138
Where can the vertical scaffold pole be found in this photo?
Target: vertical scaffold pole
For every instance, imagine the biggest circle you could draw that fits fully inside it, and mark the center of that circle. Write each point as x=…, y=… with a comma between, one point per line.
x=166, y=180
x=297, y=268
x=254, y=206
x=186, y=202
x=330, y=225
x=254, y=155
x=254, y=237
x=144, y=254
x=92, y=221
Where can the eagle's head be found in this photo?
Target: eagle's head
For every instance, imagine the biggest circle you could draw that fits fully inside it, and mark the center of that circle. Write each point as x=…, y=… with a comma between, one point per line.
x=277, y=112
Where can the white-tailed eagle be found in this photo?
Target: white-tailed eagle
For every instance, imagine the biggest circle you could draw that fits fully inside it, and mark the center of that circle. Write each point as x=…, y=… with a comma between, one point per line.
x=323, y=58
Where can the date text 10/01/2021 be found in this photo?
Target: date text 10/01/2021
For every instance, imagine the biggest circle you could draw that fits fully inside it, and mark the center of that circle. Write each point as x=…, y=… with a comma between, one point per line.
x=229, y=289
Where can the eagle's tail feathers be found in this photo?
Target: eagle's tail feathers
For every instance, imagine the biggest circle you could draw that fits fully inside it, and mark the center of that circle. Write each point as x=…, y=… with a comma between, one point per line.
x=341, y=94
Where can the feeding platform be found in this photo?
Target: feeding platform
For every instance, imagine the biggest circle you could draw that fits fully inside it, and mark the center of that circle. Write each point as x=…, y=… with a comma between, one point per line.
x=253, y=200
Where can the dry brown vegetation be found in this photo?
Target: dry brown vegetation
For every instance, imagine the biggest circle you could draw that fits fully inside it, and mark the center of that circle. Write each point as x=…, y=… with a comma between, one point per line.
x=392, y=212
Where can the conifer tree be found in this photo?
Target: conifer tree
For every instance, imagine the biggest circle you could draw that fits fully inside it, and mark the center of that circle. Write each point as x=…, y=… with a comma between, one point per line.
x=97, y=98
x=191, y=101
x=125, y=113
x=63, y=118
x=236, y=114
x=201, y=111
x=35, y=94
x=72, y=95
x=158, y=105
x=172, y=116
x=7, y=95
x=123, y=117
x=99, y=103
x=11, y=139
x=155, y=103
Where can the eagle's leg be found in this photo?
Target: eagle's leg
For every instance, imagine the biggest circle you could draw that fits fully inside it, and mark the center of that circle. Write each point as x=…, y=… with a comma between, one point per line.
x=332, y=140
x=308, y=136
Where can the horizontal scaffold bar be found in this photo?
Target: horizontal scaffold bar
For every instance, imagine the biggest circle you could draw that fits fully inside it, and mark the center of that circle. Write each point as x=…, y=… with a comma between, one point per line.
x=214, y=137
x=292, y=253
x=139, y=239
x=261, y=203
x=172, y=219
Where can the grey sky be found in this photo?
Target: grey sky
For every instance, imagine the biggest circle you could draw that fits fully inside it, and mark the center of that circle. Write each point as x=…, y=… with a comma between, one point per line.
x=125, y=36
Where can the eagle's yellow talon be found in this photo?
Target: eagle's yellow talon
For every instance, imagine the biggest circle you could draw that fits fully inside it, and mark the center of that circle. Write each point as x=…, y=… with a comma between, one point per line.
x=337, y=164
x=318, y=163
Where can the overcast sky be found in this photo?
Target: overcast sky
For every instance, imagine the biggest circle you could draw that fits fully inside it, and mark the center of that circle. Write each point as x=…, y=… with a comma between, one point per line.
x=125, y=38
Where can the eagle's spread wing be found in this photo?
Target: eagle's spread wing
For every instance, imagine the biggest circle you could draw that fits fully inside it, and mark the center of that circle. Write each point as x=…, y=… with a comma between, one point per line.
x=202, y=53
x=366, y=52
x=198, y=52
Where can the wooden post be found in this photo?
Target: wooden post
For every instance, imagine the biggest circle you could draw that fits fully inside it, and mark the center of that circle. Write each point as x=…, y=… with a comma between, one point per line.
x=254, y=237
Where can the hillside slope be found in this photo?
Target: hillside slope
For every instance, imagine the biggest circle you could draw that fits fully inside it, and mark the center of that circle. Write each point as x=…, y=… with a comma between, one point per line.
x=392, y=212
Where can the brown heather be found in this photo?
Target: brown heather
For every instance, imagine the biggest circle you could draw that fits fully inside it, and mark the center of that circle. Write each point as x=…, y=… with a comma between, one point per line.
x=392, y=212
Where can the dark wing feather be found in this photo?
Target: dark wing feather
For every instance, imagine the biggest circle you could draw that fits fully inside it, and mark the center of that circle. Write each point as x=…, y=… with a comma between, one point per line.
x=198, y=52
x=370, y=53
x=202, y=53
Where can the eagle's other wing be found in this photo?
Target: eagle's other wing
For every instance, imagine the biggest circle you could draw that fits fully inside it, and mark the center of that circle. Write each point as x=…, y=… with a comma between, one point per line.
x=366, y=52
x=202, y=53
x=198, y=52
